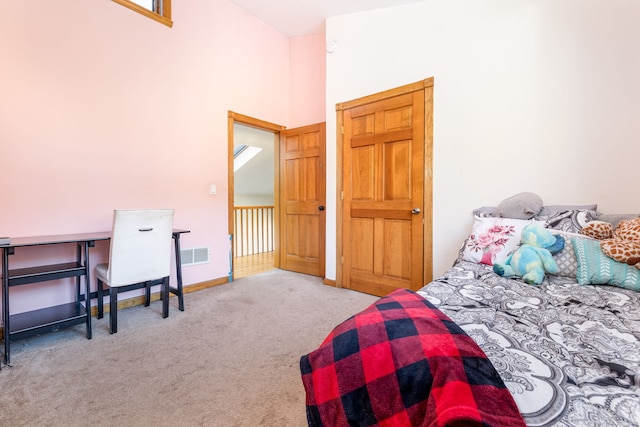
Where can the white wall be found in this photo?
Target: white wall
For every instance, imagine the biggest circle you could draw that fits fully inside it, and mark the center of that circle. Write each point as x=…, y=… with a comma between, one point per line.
x=529, y=95
x=253, y=200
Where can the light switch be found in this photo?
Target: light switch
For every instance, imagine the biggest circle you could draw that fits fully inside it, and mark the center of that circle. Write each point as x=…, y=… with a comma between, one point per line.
x=212, y=189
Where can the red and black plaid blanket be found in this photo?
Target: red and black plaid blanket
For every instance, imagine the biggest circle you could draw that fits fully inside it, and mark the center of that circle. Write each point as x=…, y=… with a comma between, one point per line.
x=402, y=362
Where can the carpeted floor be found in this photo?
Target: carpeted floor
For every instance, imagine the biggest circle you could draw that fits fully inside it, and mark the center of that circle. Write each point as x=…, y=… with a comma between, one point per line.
x=230, y=359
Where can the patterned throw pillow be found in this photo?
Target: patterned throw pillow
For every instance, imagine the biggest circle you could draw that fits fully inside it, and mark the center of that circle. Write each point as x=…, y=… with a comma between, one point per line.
x=595, y=268
x=551, y=209
x=493, y=239
x=566, y=258
x=570, y=221
x=486, y=212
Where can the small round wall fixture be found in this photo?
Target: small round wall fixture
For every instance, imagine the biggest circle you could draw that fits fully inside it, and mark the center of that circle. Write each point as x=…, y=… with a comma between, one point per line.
x=331, y=46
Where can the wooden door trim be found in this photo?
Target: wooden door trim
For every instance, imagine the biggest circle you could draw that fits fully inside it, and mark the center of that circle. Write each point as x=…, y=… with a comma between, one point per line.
x=339, y=192
x=428, y=178
x=428, y=165
x=232, y=118
x=390, y=93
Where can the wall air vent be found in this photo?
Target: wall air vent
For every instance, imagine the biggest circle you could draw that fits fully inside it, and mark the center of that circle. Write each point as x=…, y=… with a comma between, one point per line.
x=194, y=256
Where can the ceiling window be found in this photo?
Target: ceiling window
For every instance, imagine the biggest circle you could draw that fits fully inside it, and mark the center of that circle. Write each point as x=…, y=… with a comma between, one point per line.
x=242, y=154
x=158, y=10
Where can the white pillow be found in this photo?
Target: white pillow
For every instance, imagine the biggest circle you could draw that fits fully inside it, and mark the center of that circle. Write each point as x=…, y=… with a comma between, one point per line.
x=493, y=239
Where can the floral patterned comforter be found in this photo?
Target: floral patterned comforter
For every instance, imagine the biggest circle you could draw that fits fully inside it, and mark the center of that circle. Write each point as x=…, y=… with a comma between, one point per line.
x=569, y=354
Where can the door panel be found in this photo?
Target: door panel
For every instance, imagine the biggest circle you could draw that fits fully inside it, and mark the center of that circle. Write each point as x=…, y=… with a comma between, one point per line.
x=303, y=200
x=383, y=182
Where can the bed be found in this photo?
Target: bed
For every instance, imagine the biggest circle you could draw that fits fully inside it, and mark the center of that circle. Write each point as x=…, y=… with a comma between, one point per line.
x=569, y=354
x=568, y=351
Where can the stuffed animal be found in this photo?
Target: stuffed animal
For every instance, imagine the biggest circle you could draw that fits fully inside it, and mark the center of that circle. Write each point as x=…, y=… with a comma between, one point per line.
x=533, y=259
x=621, y=244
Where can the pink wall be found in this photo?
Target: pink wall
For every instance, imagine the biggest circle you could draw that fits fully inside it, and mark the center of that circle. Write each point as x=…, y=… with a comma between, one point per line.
x=308, y=86
x=103, y=108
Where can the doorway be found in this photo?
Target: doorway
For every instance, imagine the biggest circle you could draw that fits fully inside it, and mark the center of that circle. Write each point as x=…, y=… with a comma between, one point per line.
x=253, y=194
x=292, y=229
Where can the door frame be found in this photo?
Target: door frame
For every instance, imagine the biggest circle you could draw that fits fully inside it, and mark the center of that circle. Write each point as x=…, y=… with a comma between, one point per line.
x=233, y=118
x=427, y=268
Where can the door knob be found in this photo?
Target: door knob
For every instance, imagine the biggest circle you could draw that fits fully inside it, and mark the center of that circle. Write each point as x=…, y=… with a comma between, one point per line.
x=415, y=211
x=321, y=208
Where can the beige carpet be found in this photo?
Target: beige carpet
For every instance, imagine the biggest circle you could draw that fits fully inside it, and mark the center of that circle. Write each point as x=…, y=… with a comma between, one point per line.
x=230, y=359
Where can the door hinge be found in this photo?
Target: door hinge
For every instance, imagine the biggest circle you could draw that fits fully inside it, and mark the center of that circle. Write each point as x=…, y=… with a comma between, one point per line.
x=342, y=130
x=341, y=260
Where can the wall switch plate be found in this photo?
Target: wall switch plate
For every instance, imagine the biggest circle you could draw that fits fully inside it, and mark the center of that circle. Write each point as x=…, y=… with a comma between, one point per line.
x=213, y=190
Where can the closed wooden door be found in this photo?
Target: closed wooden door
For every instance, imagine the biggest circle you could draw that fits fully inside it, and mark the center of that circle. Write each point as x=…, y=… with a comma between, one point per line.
x=387, y=190
x=302, y=204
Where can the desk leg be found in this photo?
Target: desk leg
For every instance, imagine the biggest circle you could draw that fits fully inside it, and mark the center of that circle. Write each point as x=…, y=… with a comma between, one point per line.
x=179, y=293
x=5, y=304
x=87, y=285
x=79, y=261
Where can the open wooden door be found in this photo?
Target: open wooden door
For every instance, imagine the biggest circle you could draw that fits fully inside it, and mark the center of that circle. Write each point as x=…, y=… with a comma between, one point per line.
x=302, y=192
x=386, y=189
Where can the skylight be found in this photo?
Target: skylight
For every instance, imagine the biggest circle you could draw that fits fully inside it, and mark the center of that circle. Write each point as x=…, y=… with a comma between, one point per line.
x=242, y=154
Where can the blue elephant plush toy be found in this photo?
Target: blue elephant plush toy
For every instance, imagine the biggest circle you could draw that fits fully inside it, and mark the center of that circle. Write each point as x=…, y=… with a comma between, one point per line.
x=533, y=259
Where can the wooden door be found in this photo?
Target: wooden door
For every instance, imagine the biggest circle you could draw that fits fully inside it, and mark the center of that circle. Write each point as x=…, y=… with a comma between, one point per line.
x=302, y=153
x=387, y=190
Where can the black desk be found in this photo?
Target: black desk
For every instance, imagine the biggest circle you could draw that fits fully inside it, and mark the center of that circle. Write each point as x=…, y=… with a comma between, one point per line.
x=79, y=311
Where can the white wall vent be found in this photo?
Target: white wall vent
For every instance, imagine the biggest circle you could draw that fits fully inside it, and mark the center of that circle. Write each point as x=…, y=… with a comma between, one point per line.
x=194, y=256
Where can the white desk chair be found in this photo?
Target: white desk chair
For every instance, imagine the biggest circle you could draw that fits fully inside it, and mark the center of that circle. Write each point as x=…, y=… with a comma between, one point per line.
x=139, y=257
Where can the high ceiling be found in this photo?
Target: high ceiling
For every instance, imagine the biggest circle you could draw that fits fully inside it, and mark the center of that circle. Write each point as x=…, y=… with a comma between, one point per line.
x=296, y=18
x=292, y=18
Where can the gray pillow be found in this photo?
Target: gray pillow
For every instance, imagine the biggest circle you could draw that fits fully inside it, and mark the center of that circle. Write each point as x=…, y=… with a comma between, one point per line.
x=614, y=219
x=521, y=206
